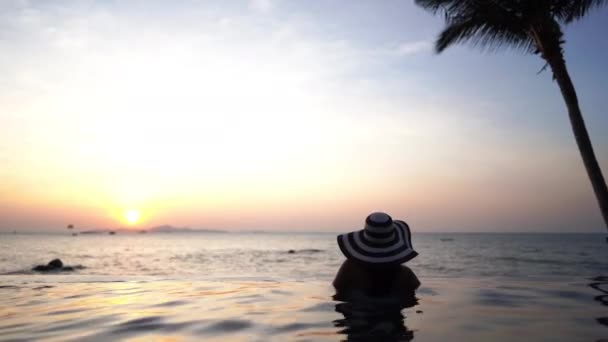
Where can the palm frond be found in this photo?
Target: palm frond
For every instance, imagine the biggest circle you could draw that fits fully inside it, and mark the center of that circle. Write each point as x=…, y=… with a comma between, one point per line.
x=489, y=24
x=434, y=6
x=483, y=35
x=451, y=7
x=571, y=10
x=455, y=32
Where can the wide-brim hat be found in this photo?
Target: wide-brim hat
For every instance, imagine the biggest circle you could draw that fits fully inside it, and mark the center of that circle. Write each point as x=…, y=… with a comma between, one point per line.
x=382, y=241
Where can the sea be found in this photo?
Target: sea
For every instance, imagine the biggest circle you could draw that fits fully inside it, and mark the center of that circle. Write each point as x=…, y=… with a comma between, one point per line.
x=277, y=287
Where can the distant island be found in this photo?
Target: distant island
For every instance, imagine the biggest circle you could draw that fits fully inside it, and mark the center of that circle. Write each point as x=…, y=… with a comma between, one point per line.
x=171, y=229
x=166, y=228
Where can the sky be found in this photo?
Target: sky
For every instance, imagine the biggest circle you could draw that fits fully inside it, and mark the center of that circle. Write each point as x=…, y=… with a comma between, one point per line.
x=286, y=115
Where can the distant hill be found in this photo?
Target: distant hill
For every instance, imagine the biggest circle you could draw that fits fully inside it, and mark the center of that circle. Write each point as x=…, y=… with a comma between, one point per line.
x=166, y=228
x=105, y=231
x=171, y=229
x=86, y=232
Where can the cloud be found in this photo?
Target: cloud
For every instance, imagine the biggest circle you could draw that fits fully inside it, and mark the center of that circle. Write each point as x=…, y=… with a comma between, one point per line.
x=415, y=47
x=261, y=5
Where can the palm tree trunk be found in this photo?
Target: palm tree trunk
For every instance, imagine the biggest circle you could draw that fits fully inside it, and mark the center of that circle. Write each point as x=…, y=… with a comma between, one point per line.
x=558, y=65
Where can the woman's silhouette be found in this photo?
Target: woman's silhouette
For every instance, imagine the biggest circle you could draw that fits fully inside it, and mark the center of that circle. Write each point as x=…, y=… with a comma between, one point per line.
x=372, y=284
x=374, y=257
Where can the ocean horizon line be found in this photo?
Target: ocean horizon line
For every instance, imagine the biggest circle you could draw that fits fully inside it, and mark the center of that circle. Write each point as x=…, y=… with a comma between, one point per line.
x=282, y=232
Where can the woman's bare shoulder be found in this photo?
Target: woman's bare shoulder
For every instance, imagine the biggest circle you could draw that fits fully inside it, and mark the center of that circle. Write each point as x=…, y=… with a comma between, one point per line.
x=349, y=273
x=407, y=279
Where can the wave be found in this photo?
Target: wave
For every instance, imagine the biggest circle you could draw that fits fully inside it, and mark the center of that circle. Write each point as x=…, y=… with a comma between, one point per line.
x=531, y=260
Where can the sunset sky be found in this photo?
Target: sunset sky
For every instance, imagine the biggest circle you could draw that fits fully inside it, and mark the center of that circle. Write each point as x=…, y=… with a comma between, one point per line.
x=285, y=115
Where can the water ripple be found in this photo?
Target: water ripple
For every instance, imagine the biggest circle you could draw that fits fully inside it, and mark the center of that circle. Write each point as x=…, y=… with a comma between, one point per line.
x=150, y=323
x=226, y=326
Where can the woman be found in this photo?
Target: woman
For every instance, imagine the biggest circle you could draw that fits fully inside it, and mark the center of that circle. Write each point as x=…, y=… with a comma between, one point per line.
x=374, y=257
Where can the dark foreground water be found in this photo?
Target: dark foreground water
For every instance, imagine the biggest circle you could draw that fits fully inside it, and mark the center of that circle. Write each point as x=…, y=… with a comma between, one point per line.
x=248, y=287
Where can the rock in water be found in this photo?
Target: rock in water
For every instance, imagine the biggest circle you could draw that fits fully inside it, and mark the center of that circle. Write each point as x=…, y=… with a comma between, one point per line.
x=40, y=268
x=55, y=264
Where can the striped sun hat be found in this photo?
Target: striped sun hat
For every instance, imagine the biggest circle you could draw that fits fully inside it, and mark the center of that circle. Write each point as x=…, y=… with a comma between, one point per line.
x=382, y=241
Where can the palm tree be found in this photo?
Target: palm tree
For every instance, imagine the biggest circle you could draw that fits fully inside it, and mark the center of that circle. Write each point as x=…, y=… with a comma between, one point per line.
x=533, y=26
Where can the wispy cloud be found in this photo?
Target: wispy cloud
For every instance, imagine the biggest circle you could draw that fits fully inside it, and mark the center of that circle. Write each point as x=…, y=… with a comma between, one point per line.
x=230, y=107
x=261, y=5
x=414, y=47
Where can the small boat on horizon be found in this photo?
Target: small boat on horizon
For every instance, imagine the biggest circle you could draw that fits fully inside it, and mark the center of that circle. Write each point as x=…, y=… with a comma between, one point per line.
x=112, y=233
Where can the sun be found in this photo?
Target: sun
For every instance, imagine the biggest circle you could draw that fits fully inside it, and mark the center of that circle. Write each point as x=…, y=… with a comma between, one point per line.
x=132, y=216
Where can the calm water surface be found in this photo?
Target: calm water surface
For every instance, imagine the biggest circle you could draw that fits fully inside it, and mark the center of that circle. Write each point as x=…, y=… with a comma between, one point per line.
x=249, y=287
